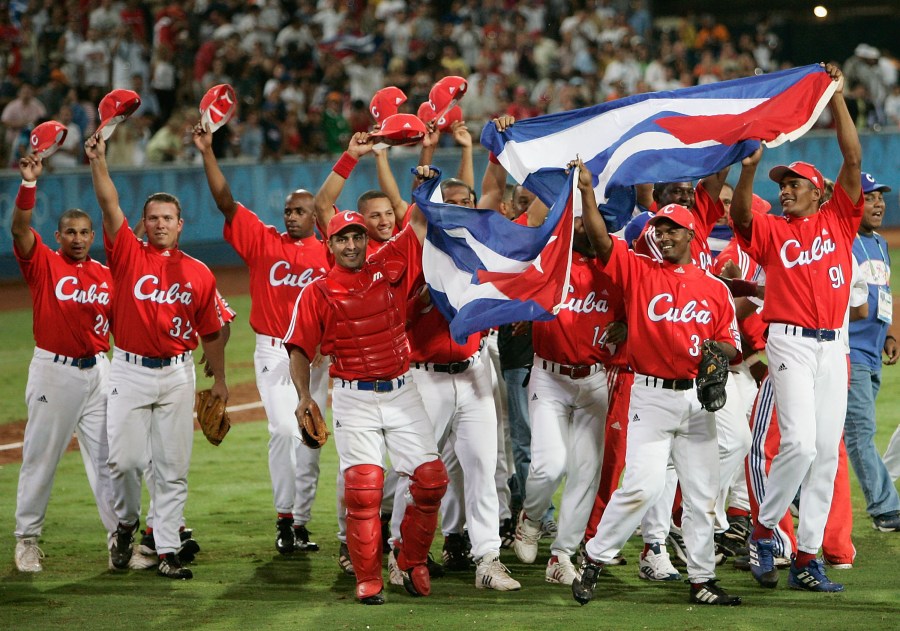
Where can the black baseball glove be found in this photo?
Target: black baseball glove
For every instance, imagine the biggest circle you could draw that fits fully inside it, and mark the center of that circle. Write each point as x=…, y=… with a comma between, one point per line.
x=712, y=375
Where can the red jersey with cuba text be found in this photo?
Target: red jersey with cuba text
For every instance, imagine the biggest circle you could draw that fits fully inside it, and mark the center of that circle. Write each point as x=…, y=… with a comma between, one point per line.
x=707, y=211
x=671, y=310
x=807, y=262
x=280, y=267
x=318, y=321
x=164, y=299
x=574, y=336
x=71, y=300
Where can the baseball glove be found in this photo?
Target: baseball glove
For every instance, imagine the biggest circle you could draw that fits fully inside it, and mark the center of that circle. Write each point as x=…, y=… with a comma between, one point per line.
x=313, y=430
x=712, y=374
x=213, y=418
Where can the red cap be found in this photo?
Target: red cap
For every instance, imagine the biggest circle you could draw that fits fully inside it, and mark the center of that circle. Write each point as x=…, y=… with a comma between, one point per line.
x=344, y=220
x=426, y=112
x=800, y=169
x=676, y=213
x=217, y=107
x=386, y=102
x=454, y=114
x=446, y=92
x=401, y=129
x=759, y=205
x=114, y=108
x=47, y=137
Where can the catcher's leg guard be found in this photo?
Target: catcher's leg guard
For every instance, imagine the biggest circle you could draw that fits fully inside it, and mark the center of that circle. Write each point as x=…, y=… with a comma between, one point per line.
x=426, y=487
x=362, y=496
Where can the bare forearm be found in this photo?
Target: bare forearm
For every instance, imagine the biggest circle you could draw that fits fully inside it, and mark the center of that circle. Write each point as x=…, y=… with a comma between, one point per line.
x=218, y=185
x=300, y=369
x=493, y=185
x=214, y=350
x=466, y=171
x=107, y=197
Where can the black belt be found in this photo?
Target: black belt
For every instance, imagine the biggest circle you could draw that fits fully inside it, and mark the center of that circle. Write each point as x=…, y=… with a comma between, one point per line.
x=452, y=368
x=375, y=386
x=668, y=384
x=82, y=363
x=154, y=362
x=822, y=335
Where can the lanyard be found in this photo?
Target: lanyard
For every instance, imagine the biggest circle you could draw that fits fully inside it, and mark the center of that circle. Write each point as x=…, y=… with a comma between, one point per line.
x=868, y=258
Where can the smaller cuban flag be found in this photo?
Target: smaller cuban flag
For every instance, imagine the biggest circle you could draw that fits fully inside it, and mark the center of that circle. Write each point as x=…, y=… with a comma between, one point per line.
x=670, y=136
x=483, y=270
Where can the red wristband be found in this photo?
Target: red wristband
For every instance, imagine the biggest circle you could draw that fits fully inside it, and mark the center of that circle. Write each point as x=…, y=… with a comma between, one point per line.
x=344, y=166
x=25, y=197
x=493, y=158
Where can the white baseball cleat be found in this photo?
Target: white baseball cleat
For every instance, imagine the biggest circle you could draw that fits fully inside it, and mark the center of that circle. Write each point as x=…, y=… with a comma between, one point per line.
x=141, y=561
x=28, y=555
x=561, y=571
x=655, y=565
x=528, y=534
x=491, y=574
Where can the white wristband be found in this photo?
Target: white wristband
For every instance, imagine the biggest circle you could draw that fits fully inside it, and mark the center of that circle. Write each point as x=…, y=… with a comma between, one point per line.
x=28, y=184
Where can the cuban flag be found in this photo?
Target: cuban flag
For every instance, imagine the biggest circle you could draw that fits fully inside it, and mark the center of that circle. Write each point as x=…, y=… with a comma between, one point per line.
x=483, y=270
x=671, y=136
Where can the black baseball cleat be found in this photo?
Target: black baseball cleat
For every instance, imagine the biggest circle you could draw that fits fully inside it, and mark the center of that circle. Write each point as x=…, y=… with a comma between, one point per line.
x=302, y=542
x=583, y=587
x=170, y=567
x=148, y=543
x=435, y=569
x=376, y=599
x=284, y=535
x=455, y=555
x=188, y=550
x=121, y=551
x=709, y=593
x=507, y=533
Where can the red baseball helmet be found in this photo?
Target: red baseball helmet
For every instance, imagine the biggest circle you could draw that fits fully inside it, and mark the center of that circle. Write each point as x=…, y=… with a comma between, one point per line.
x=114, y=108
x=386, y=102
x=400, y=129
x=47, y=137
x=217, y=107
x=446, y=93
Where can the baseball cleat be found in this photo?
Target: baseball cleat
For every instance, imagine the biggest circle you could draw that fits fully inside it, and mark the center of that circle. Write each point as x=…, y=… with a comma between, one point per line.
x=889, y=522
x=120, y=550
x=811, y=578
x=837, y=565
x=170, y=567
x=656, y=566
x=148, y=543
x=583, y=587
x=549, y=529
x=455, y=555
x=762, y=561
x=528, y=534
x=675, y=543
x=28, y=555
x=141, y=561
x=490, y=573
x=284, y=535
x=302, y=542
x=435, y=569
x=507, y=534
x=709, y=593
x=188, y=550
x=344, y=560
x=727, y=548
x=560, y=570
x=415, y=580
x=376, y=599
x=395, y=574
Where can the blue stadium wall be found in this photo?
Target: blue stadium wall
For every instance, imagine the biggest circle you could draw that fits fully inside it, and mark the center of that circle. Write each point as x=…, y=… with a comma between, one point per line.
x=262, y=187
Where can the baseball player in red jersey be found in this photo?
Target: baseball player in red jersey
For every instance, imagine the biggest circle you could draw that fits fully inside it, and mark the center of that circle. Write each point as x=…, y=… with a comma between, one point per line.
x=672, y=306
x=357, y=314
x=455, y=386
x=281, y=265
x=165, y=305
x=807, y=258
x=66, y=389
x=567, y=405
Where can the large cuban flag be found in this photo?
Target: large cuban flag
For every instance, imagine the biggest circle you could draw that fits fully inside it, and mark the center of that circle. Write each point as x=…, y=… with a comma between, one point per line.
x=483, y=270
x=671, y=136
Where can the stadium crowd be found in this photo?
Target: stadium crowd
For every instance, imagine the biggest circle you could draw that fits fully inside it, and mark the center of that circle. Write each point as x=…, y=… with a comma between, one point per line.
x=305, y=70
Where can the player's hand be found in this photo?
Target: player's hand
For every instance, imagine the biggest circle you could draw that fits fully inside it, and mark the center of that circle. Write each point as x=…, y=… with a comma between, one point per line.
x=318, y=360
x=302, y=407
x=836, y=75
x=461, y=134
x=95, y=147
x=360, y=144
x=753, y=159
x=219, y=390
x=521, y=328
x=730, y=270
x=616, y=332
x=202, y=138
x=585, y=177
x=504, y=122
x=207, y=369
x=891, y=350
x=31, y=167
x=433, y=134
x=425, y=172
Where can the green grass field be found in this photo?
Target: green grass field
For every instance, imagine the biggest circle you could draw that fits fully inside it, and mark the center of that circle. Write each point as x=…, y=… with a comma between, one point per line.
x=242, y=583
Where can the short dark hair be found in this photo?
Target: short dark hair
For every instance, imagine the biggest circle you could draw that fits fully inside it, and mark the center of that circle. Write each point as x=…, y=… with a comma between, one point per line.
x=370, y=194
x=73, y=213
x=166, y=198
x=452, y=182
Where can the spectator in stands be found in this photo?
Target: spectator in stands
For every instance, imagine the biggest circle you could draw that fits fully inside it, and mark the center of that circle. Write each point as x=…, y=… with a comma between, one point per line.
x=168, y=144
x=19, y=116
